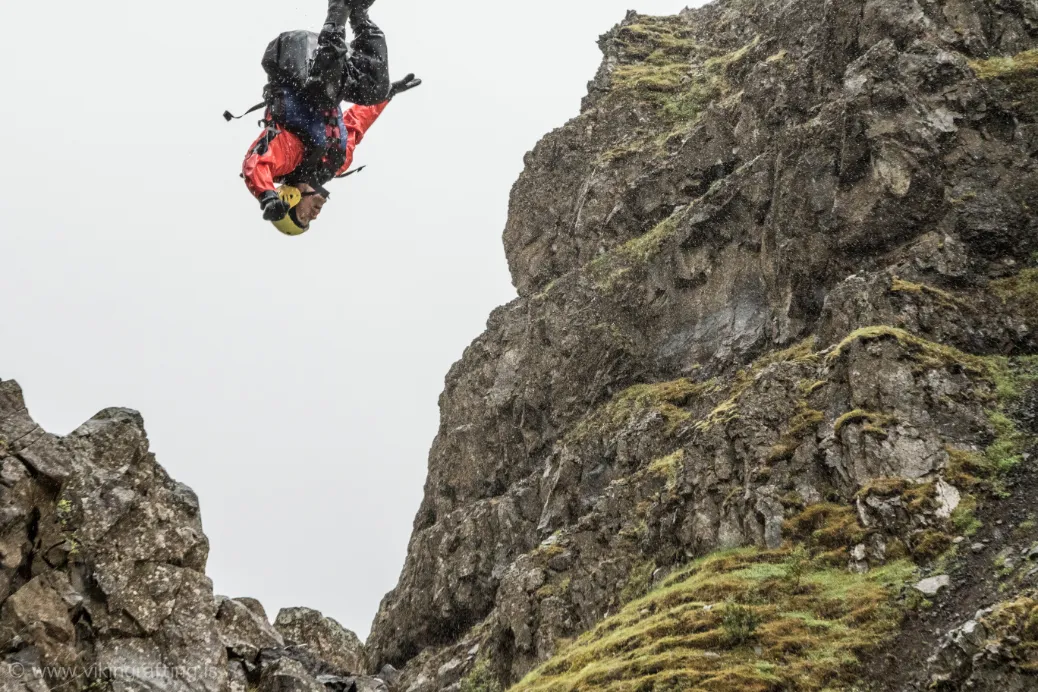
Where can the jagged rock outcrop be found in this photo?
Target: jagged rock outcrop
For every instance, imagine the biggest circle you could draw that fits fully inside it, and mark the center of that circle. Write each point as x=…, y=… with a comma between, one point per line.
x=102, y=577
x=103, y=556
x=326, y=638
x=783, y=260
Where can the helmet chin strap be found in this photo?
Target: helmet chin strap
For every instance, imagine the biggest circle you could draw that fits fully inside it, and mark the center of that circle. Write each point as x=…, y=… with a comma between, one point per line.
x=296, y=221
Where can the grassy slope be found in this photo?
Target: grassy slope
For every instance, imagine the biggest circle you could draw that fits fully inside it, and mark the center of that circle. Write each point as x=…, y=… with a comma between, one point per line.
x=746, y=620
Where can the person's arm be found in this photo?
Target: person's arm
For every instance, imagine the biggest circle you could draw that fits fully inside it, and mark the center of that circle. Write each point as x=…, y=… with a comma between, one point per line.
x=272, y=155
x=358, y=121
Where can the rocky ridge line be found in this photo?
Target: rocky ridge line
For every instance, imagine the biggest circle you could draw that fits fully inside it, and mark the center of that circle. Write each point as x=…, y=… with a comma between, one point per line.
x=102, y=578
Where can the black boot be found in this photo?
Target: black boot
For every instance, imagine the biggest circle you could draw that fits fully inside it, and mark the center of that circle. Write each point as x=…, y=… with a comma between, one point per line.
x=338, y=14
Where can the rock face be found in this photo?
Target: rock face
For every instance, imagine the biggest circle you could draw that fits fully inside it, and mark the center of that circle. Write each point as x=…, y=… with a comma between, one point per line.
x=326, y=638
x=102, y=577
x=103, y=556
x=783, y=259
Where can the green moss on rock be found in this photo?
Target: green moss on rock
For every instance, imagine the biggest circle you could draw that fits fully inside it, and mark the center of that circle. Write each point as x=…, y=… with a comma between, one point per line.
x=899, y=285
x=872, y=422
x=668, y=399
x=804, y=422
x=663, y=65
x=826, y=527
x=1015, y=79
x=481, y=679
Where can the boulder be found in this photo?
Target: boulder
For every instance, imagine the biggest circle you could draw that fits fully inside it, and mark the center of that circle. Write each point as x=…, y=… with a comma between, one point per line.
x=323, y=637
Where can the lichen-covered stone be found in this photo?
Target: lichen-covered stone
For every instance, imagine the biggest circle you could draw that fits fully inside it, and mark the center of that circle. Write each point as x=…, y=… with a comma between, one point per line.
x=323, y=637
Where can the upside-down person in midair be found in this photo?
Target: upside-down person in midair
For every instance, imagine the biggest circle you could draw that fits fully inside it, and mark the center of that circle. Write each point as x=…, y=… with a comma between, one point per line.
x=308, y=139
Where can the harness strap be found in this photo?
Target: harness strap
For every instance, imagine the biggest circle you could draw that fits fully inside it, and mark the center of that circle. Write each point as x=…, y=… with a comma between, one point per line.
x=228, y=116
x=351, y=172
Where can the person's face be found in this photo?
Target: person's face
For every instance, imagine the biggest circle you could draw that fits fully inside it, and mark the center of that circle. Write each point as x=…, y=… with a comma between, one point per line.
x=310, y=208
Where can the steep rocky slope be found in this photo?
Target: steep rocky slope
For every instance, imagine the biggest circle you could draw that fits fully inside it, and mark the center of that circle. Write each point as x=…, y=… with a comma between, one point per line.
x=102, y=578
x=778, y=294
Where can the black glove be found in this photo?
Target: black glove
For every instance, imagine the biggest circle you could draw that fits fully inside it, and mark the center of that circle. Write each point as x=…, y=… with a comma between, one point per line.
x=406, y=84
x=274, y=208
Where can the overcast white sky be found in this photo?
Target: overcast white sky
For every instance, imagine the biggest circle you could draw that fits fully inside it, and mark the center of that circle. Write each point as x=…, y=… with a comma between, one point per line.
x=291, y=382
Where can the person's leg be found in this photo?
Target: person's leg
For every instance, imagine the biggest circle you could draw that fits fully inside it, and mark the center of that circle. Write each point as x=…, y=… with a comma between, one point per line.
x=365, y=79
x=323, y=83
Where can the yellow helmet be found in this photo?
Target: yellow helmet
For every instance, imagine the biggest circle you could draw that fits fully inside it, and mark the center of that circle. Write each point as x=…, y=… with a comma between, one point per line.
x=289, y=225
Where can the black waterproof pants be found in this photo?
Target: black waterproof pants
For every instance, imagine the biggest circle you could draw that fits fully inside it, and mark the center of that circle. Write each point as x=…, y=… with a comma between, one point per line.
x=359, y=72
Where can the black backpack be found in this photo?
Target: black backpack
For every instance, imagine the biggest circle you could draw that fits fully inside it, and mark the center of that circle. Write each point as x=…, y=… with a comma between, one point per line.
x=286, y=61
x=288, y=58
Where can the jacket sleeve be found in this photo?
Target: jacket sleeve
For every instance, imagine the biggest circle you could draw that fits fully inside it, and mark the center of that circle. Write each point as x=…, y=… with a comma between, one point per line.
x=273, y=155
x=358, y=120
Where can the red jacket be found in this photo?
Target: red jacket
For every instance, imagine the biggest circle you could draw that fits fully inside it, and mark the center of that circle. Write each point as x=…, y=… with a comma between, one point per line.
x=271, y=158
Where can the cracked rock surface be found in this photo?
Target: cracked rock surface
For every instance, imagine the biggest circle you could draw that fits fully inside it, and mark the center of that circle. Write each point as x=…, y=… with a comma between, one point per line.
x=102, y=577
x=774, y=265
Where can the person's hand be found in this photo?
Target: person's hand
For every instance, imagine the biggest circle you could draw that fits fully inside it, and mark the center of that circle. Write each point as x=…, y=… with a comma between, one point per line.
x=274, y=208
x=406, y=84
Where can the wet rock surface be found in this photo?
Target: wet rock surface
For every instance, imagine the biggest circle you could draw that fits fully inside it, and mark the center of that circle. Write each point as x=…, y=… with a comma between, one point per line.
x=783, y=259
x=102, y=583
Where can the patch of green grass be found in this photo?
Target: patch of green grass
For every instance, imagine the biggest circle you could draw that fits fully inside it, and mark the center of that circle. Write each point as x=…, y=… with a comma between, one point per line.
x=638, y=582
x=608, y=270
x=927, y=353
x=671, y=79
x=763, y=631
x=1025, y=527
x=664, y=66
x=964, y=517
x=657, y=40
x=1009, y=377
x=1010, y=443
x=916, y=497
x=555, y=588
x=804, y=422
x=668, y=399
x=1023, y=287
x=827, y=529
x=969, y=469
x=543, y=553
x=930, y=545
x=728, y=410
x=899, y=285
x=1015, y=624
x=668, y=467
x=481, y=679
x=874, y=423
x=808, y=387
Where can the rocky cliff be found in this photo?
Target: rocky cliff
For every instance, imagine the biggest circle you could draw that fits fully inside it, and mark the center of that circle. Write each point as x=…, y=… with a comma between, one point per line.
x=102, y=578
x=763, y=412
